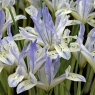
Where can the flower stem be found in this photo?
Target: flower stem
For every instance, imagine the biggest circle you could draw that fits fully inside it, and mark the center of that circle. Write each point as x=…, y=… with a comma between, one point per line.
x=68, y=82
x=79, y=84
x=16, y=29
x=89, y=78
x=93, y=88
x=10, y=92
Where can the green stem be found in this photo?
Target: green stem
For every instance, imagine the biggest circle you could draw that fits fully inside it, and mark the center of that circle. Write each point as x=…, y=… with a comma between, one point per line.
x=29, y=92
x=68, y=82
x=79, y=84
x=76, y=69
x=87, y=28
x=17, y=7
x=47, y=93
x=10, y=91
x=75, y=29
x=89, y=81
x=75, y=83
x=61, y=90
x=66, y=89
x=93, y=88
x=24, y=20
x=16, y=29
x=17, y=10
x=56, y=90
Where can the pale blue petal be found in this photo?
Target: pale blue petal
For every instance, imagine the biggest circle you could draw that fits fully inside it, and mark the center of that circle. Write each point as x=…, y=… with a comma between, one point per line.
x=56, y=65
x=42, y=75
x=81, y=33
x=49, y=70
x=14, y=79
x=2, y=20
x=31, y=55
x=40, y=60
x=57, y=81
x=9, y=31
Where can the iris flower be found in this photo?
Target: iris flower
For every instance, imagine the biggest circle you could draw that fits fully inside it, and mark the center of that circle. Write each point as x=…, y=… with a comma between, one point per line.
x=87, y=50
x=84, y=11
x=6, y=57
x=58, y=6
x=24, y=77
x=4, y=25
x=47, y=33
x=47, y=68
x=48, y=71
x=75, y=47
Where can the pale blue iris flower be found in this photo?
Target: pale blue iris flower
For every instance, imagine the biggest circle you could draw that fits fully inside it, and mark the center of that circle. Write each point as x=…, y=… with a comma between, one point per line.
x=6, y=57
x=48, y=71
x=6, y=42
x=24, y=78
x=47, y=33
x=75, y=47
x=59, y=6
x=87, y=51
x=4, y=25
x=84, y=11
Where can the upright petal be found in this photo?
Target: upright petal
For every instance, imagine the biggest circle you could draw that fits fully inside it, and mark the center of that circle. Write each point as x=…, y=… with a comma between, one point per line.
x=2, y=20
x=31, y=55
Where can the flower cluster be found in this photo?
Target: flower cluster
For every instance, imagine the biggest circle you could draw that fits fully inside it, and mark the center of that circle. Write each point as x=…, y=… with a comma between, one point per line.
x=32, y=54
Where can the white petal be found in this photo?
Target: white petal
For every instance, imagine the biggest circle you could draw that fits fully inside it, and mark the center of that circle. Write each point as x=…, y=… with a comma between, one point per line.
x=14, y=79
x=76, y=77
x=25, y=85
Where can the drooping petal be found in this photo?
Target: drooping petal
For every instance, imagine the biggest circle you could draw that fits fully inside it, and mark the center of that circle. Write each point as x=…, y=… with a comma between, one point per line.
x=63, y=51
x=74, y=47
x=76, y=77
x=25, y=85
x=18, y=17
x=91, y=22
x=26, y=34
x=7, y=58
x=14, y=79
x=18, y=37
x=52, y=54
